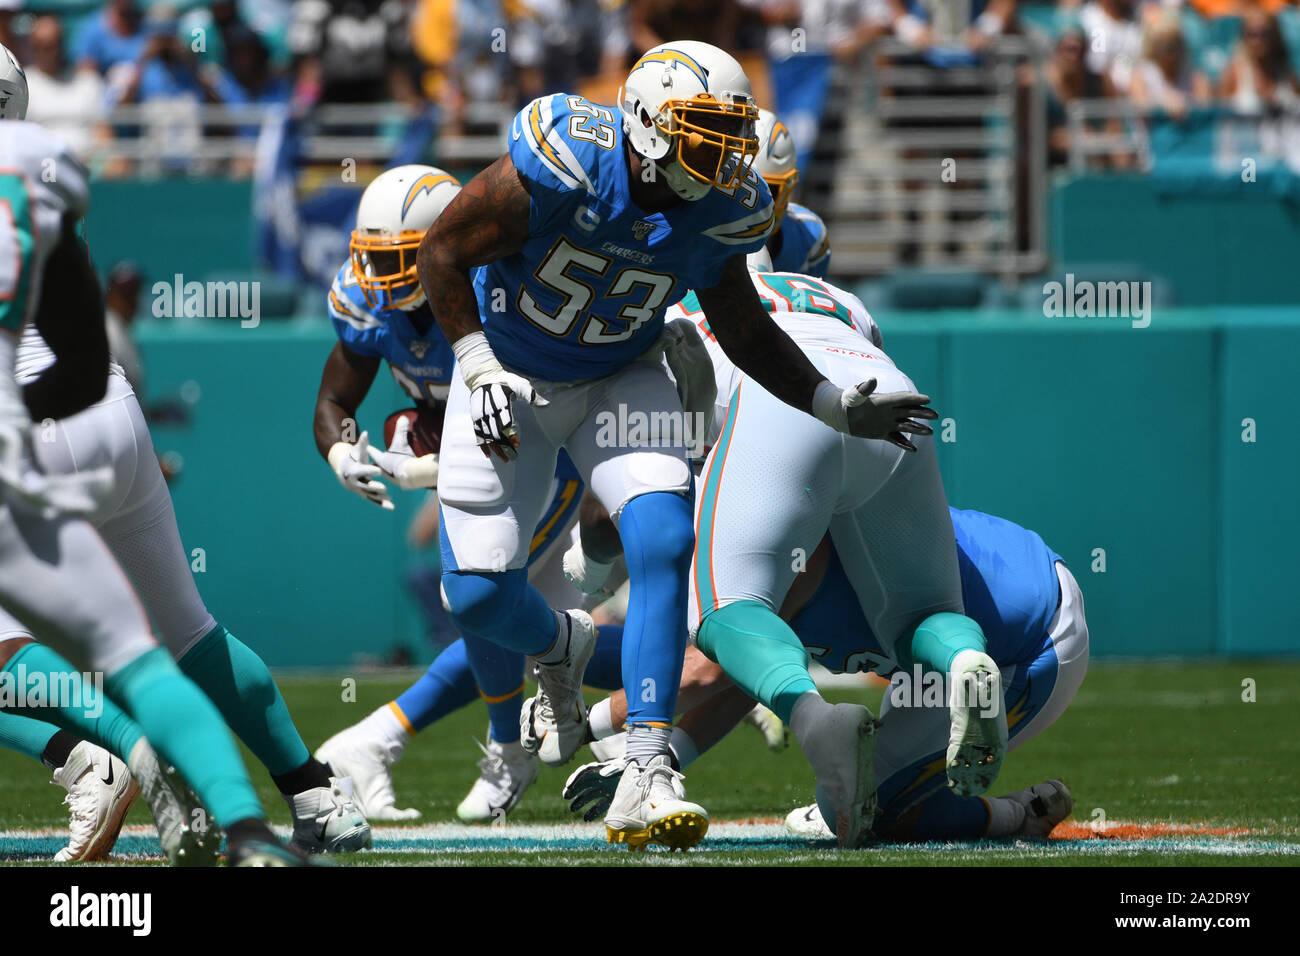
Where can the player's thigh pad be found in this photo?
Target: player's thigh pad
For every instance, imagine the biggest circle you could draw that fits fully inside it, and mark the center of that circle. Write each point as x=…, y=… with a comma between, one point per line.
x=769, y=488
x=58, y=577
x=634, y=438
x=491, y=508
x=1055, y=676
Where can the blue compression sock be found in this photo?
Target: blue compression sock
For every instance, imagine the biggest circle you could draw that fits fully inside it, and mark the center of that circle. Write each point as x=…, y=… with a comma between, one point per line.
x=446, y=686
x=237, y=680
x=186, y=729
x=943, y=816
x=502, y=608
x=499, y=674
x=658, y=538
x=606, y=668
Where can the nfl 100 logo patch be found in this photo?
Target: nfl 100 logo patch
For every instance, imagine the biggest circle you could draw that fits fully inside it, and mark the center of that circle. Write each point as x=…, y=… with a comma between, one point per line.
x=418, y=348
x=642, y=228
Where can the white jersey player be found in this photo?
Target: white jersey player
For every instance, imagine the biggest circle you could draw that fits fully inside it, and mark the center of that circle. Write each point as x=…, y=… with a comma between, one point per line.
x=138, y=523
x=56, y=574
x=774, y=485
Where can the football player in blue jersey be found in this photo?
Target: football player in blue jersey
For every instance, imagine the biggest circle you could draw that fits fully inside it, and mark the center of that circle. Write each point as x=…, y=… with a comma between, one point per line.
x=1031, y=611
x=799, y=241
x=549, y=273
x=380, y=315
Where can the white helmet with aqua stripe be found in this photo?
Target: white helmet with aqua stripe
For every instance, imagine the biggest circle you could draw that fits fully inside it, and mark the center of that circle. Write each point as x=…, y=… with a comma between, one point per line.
x=689, y=107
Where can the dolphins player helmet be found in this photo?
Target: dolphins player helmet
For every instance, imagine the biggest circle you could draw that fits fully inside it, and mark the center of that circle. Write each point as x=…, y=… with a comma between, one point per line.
x=689, y=107
x=775, y=161
x=13, y=87
x=396, y=210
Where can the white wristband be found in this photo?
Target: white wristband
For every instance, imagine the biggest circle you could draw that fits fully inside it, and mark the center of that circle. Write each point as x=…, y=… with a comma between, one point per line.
x=338, y=451
x=476, y=359
x=828, y=406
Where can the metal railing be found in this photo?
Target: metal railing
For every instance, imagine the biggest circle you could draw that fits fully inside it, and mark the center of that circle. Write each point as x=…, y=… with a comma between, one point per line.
x=203, y=139
x=941, y=166
x=1109, y=130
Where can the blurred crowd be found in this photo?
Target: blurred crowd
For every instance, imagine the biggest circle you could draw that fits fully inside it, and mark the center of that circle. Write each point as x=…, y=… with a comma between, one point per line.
x=83, y=61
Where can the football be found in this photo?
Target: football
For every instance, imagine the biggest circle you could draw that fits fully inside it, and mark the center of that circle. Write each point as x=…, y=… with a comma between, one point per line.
x=426, y=429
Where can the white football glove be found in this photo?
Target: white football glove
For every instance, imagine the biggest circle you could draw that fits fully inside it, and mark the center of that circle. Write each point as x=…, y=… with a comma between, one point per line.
x=402, y=464
x=588, y=576
x=858, y=411
x=492, y=390
x=356, y=474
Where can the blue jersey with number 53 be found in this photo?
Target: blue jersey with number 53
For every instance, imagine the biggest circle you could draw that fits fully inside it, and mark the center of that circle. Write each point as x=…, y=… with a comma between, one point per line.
x=586, y=295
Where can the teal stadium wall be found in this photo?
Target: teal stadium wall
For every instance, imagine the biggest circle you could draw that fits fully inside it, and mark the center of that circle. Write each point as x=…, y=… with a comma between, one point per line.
x=1095, y=434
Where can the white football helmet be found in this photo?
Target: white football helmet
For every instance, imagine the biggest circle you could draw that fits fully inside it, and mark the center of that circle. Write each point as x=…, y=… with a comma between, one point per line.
x=775, y=161
x=13, y=86
x=396, y=210
x=688, y=106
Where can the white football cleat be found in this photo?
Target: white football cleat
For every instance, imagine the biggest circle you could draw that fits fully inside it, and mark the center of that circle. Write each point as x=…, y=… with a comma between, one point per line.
x=189, y=836
x=769, y=725
x=507, y=771
x=841, y=748
x=1046, y=804
x=650, y=806
x=327, y=819
x=354, y=753
x=610, y=748
x=977, y=741
x=807, y=822
x=100, y=792
x=553, y=724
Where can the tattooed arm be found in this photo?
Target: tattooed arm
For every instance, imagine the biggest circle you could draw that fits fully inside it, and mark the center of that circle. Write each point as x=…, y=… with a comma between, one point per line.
x=487, y=220
x=766, y=354
x=754, y=342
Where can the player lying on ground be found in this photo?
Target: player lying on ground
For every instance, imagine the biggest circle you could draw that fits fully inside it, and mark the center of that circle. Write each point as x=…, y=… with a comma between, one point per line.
x=380, y=315
x=1030, y=609
x=775, y=484
x=56, y=574
x=578, y=239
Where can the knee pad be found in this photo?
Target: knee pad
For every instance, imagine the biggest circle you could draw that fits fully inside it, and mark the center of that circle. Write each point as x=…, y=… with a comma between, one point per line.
x=482, y=602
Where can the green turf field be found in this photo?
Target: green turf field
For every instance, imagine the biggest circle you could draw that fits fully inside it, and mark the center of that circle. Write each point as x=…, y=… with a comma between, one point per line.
x=1160, y=743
